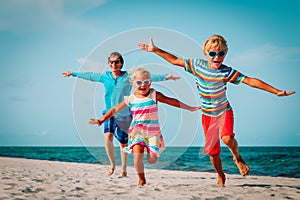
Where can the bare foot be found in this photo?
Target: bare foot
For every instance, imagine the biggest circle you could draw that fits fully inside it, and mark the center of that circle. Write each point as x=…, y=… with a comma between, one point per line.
x=221, y=180
x=124, y=174
x=243, y=167
x=142, y=182
x=142, y=179
x=110, y=171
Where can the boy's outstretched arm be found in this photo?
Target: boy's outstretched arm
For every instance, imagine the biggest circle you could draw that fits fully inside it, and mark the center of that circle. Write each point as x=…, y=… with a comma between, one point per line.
x=174, y=102
x=257, y=83
x=111, y=112
x=165, y=55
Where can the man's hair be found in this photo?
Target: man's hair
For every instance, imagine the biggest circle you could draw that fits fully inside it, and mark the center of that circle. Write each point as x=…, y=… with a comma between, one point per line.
x=118, y=55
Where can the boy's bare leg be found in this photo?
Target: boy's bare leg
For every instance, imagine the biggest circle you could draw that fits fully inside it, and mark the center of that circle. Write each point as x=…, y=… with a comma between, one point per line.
x=238, y=160
x=124, y=157
x=138, y=151
x=109, y=147
x=217, y=164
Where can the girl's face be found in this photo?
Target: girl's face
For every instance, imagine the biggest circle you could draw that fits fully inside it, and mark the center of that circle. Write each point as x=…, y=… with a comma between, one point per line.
x=215, y=57
x=142, y=83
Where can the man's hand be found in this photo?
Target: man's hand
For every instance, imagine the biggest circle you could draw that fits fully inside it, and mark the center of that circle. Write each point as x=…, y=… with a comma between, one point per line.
x=66, y=74
x=172, y=77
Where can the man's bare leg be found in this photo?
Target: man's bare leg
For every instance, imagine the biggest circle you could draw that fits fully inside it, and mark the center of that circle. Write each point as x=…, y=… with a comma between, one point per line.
x=238, y=160
x=109, y=147
x=124, y=158
x=217, y=164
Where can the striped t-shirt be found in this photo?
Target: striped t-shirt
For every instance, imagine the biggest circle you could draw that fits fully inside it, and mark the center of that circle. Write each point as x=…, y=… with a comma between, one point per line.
x=144, y=128
x=211, y=85
x=144, y=113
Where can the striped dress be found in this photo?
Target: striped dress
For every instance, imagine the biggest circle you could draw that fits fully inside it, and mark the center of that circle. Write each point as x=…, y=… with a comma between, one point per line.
x=144, y=129
x=211, y=85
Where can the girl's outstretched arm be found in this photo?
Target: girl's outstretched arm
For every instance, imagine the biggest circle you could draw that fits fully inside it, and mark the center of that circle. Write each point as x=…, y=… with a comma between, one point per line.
x=257, y=83
x=174, y=102
x=111, y=112
x=165, y=55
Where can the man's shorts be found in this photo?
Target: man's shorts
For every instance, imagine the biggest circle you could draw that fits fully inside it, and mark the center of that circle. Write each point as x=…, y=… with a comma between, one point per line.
x=215, y=127
x=118, y=126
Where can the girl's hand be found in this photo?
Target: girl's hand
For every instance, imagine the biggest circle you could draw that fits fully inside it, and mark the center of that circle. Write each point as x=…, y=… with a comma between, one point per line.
x=192, y=109
x=284, y=93
x=95, y=121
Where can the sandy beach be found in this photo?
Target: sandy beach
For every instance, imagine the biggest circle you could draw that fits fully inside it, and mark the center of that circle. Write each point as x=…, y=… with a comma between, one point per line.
x=37, y=179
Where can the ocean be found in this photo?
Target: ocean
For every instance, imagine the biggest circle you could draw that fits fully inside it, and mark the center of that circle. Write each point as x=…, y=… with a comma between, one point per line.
x=264, y=161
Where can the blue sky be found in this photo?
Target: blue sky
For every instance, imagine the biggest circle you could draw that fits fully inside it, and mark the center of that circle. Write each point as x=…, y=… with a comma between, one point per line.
x=40, y=39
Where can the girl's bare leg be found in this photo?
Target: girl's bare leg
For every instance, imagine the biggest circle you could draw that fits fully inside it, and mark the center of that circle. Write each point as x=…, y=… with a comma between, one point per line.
x=152, y=158
x=138, y=151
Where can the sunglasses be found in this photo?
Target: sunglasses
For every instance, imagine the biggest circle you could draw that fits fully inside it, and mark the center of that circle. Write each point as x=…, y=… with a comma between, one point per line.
x=144, y=82
x=114, y=61
x=217, y=53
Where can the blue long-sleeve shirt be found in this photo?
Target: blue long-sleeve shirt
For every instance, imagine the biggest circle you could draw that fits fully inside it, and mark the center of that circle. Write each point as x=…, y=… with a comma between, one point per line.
x=115, y=89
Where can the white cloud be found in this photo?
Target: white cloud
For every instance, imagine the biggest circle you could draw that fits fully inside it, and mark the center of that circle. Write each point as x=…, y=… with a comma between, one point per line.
x=269, y=54
x=19, y=83
x=38, y=133
x=26, y=15
x=89, y=65
x=44, y=132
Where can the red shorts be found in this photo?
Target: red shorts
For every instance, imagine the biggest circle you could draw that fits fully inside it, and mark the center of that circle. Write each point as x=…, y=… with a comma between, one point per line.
x=215, y=127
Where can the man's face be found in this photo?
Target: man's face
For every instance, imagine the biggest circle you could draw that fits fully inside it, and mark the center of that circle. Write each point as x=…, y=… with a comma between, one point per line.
x=115, y=63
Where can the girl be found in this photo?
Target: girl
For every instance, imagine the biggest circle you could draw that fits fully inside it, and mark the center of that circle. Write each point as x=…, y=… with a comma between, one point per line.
x=144, y=131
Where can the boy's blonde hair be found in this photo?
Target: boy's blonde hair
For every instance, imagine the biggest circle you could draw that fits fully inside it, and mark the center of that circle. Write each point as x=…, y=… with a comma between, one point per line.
x=137, y=71
x=215, y=41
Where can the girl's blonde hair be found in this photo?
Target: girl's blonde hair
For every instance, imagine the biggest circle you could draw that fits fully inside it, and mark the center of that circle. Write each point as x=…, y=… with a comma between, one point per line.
x=215, y=41
x=137, y=71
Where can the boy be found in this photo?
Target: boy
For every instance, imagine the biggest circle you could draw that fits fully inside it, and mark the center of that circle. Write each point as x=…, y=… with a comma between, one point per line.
x=211, y=76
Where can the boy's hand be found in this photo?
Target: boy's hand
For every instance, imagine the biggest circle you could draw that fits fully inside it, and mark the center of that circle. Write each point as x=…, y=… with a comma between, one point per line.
x=147, y=47
x=172, y=77
x=95, y=121
x=284, y=93
x=66, y=74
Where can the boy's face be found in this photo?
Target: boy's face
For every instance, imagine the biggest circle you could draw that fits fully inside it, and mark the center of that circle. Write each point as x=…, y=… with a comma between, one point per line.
x=142, y=83
x=115, y=63
x=215, y=57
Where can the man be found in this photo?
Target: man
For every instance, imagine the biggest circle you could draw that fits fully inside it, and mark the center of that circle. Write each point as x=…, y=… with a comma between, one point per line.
x=117, y=85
